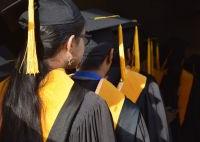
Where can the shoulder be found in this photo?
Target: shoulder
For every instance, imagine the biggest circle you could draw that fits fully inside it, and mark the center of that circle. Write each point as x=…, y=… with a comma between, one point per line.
x=92, y=100
x=92, y=107
x=131, y=108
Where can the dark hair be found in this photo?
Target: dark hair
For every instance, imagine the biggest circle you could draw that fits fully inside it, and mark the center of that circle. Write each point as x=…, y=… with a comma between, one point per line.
x=96, y=56
x=114, y=74
x=21, y=104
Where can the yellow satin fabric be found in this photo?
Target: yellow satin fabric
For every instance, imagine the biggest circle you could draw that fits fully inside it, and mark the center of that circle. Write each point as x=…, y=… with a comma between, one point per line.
x=113, y=98
x=133, y=85
x=53, y=91
x=186, y=82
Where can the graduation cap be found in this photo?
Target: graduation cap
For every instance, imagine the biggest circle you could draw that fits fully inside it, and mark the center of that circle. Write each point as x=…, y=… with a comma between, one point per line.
x=98, y=20
x=105, y=25
x=51, y=12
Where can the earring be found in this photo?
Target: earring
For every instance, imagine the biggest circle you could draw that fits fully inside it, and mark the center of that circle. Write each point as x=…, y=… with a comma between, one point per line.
x=70, y=62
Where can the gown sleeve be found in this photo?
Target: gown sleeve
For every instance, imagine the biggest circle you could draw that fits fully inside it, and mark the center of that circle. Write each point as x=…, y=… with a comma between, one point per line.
x=160, y=110
x=142, y=134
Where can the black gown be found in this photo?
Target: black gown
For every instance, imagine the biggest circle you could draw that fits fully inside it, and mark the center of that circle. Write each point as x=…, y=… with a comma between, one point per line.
x=152, y=108
x=191, y=127
x=80, y=116
x=131, y=126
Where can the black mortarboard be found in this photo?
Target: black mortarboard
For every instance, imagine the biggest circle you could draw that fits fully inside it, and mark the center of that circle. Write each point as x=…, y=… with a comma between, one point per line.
x=50, y=12
x=98, y=20
x=102, y=26
x=102, y=23
x=54, y=12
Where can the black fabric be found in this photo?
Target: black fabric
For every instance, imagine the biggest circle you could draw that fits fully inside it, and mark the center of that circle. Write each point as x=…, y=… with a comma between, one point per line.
x=7, y=4
x=54, y=12
x=130, y=125
x=5, y=53
x=6, y=62
x=114, y=75
x=95, y=25
x=62, y=126
x=5, y=70
x=93, y=122
x=191, y=126
x=151, y=117
x=88, y=84
x=169, y=87
x=127, y=124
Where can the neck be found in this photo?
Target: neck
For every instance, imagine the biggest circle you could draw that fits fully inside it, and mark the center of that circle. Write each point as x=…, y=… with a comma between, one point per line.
x=54, y=64
x=98, y=72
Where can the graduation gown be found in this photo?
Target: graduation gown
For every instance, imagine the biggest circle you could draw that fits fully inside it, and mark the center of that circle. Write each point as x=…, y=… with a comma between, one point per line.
x=151, y=105
x=152, y=108
x=71, y=113
x=191, y=127
x=131, y=126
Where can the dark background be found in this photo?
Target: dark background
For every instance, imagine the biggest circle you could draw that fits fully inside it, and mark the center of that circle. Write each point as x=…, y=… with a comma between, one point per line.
x=176, y=23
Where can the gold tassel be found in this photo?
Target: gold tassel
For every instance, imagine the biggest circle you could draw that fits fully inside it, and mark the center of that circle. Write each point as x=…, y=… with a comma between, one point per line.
x=121, y=53
x=152, y=58
x=30, y=54
x=149, y=56
x=136, y=51
x=157, y=57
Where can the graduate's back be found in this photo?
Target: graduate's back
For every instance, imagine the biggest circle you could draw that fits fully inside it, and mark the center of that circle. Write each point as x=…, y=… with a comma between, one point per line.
x=40, y=102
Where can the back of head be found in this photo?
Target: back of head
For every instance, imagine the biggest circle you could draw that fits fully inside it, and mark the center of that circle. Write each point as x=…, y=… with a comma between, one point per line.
x=57, y=20
x=97, y=50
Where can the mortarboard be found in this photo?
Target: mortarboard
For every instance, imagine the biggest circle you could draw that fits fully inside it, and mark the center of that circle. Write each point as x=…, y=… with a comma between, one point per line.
x=99, y=20
x=102, y=26
x=50, y=12
x=102, y=23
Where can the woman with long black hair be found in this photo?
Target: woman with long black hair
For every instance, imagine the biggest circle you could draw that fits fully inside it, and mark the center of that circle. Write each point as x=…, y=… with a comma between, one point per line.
x=49, y=106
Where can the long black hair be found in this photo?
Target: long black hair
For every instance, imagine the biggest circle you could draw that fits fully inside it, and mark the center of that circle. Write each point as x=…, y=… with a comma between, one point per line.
x=21, y=104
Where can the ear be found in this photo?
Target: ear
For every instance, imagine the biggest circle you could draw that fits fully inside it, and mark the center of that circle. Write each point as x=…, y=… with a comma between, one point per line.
x=110, y=56
x=69, y=45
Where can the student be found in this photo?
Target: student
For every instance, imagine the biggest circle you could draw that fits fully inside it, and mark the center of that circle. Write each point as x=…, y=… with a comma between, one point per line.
x=97, y=62
x=50, y=106
x=189, y=100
